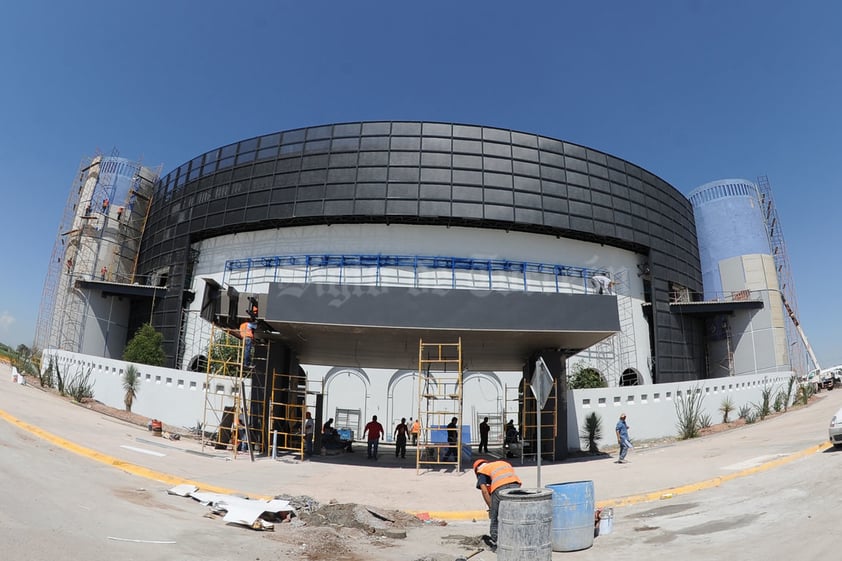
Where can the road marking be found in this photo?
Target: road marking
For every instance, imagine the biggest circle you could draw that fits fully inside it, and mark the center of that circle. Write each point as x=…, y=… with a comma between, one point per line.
x=141, y=471
x=128, y=467
x=714, y=482
x=753, y=462
x=142, y=451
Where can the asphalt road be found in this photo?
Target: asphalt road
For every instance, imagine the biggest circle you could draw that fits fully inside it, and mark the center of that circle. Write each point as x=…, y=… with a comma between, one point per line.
x=58, y=505
x=790, y=512
x=763, y=492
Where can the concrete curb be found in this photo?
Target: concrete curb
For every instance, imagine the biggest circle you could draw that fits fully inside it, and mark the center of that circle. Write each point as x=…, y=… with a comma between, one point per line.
x=466, y=515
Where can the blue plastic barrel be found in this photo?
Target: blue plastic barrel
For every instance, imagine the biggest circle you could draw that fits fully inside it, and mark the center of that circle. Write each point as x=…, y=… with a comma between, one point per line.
x=573, y=515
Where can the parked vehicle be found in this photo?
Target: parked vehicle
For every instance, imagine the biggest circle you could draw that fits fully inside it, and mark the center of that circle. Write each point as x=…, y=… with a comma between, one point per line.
x=835, y=429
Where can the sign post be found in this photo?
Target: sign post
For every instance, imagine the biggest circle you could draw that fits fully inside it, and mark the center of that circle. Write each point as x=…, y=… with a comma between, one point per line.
x=542, y=385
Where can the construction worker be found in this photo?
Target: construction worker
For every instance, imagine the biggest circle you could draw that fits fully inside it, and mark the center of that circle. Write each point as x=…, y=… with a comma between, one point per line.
x=492, y=478
x=247, y=335
x=374, y=430
x=309, y=430
x=602, y=283
x=415, y=431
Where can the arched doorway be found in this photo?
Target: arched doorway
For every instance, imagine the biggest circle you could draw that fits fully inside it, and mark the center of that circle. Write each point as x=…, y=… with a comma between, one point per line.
x=346, y=392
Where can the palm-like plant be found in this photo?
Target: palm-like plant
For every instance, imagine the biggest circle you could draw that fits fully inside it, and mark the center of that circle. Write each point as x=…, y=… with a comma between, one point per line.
x=592, y=432
x=131, y=385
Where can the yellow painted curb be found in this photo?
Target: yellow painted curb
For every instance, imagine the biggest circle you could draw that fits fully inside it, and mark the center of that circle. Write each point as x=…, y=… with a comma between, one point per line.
x=127, y=467
x=711, y=483
x=475, y=515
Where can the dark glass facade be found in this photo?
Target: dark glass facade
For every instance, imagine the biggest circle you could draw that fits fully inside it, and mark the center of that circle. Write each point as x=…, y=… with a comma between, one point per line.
x=435, y=174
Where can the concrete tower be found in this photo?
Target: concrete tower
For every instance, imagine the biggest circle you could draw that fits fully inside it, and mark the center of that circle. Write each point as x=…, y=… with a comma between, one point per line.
x=737, y=263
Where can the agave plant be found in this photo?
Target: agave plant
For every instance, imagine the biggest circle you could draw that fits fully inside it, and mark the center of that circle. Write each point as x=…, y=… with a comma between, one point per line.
x=592, y=432
x=131, y=385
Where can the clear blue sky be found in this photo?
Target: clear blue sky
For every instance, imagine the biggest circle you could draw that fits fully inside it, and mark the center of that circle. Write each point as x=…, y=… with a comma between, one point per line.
x=691, y=90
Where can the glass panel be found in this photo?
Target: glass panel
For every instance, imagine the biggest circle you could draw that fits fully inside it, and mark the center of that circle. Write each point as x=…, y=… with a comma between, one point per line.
x=294, y=136
x=346, y=144
x=291, y=148
x=267, y=153
x=376, y=128
x=347, y=129
x=247, y=157
x=406, y=128
x=229, y=150
x=316, y=133
x=270, y=140
x=248, y=145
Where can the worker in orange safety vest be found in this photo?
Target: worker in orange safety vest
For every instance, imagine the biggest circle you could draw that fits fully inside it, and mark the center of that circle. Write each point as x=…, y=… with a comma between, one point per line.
x=247, y=335
x=492, y=478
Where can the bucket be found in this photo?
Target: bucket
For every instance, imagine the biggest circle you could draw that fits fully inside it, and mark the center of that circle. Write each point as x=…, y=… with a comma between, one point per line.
x=523, y=525
x=573, y=515
x=606, y=521
x=157, y=427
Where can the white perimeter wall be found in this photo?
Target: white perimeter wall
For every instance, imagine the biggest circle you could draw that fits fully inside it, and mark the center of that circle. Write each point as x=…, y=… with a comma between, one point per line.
x=176, y=396
x=651, y=409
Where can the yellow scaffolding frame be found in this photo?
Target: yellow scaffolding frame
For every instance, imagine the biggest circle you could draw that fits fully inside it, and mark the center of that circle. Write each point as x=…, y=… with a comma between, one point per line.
x=285, y=430
x=226, y=412
x=439, y=400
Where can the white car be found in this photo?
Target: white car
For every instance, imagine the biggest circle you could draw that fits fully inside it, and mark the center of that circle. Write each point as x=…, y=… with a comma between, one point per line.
x=835, y=429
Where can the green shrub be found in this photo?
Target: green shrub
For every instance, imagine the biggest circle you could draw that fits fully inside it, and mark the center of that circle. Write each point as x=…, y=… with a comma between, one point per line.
x=585, y=377
x=745, y=411
x=146, y=347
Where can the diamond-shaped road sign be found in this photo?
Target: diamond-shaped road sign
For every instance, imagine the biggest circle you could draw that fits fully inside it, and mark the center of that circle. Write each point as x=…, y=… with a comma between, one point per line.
x=542, y=383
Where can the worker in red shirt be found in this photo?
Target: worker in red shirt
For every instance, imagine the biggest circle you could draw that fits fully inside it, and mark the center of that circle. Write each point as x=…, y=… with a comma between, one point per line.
x=492, y=478
x=374, y=430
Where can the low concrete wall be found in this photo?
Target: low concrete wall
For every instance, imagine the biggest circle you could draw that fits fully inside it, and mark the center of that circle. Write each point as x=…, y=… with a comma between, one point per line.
x=177, y=397
x=651, y=410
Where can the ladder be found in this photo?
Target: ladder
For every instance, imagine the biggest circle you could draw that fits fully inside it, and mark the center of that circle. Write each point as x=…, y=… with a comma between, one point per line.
x=439, y=402
x=226, y=412
x=287, y=407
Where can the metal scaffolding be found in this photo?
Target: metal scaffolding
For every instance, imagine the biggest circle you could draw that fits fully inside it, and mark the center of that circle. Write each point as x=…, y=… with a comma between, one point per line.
x=97, y=241
x=798, y=347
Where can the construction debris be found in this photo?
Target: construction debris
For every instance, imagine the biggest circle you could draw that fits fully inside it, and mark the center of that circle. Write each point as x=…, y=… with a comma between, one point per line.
x=255, y=513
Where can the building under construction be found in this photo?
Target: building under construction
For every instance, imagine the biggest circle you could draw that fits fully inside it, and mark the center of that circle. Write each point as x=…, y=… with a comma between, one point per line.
x=360, y=243
x=93, y=300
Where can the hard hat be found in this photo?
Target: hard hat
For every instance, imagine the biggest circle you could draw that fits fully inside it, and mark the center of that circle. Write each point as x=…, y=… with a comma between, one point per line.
x=478, y=463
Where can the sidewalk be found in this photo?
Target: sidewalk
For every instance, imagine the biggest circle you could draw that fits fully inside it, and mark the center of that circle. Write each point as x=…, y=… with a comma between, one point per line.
x=393, y=483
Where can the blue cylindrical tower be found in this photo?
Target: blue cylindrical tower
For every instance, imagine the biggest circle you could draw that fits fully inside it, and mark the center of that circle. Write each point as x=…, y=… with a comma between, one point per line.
x=729, y=223
x=737, y=264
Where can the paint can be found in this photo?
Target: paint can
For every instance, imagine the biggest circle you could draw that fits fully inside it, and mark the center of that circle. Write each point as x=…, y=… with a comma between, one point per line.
x=606, y=521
